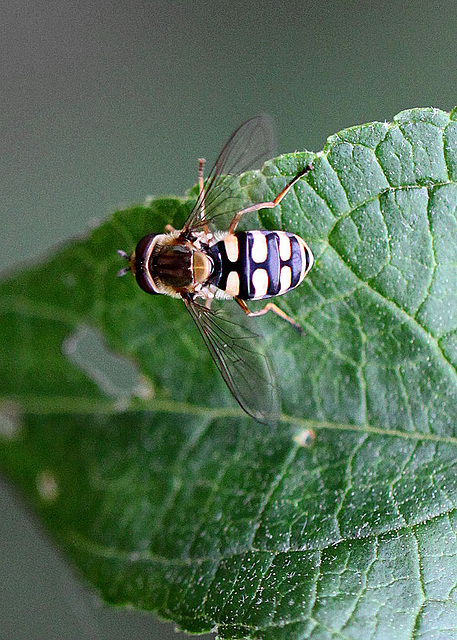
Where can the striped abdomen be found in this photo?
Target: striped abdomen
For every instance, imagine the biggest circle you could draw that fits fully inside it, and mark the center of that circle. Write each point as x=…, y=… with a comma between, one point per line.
x=260, y=264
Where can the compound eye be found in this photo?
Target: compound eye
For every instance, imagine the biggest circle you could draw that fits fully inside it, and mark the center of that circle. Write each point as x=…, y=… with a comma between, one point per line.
x=143, y=254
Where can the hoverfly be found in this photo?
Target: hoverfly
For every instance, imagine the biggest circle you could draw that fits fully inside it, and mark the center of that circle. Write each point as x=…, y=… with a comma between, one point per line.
x=199, y=263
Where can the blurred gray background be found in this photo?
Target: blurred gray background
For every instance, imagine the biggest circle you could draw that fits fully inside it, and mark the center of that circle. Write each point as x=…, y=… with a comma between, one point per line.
x=103, y=103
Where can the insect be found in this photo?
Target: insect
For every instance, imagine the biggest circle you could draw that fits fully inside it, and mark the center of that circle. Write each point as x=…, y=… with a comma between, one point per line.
x=200, y=263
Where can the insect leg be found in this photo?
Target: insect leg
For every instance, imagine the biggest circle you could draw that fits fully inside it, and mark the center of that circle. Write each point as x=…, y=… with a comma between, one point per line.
x=201, y=187
x=169, y=228
x=272, y=203
x=270, y=306
x=201, y=166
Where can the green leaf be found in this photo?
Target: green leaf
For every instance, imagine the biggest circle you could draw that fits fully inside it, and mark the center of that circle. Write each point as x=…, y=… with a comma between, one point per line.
x=338, y=523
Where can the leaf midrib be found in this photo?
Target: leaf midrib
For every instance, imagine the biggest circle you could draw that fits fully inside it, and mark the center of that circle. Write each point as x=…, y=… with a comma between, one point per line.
x=64, y=405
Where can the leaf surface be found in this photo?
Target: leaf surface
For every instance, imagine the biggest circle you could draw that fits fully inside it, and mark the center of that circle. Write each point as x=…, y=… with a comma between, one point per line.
x=338, y=523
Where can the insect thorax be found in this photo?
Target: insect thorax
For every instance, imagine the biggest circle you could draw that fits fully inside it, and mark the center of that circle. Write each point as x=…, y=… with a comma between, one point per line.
x=166, y=264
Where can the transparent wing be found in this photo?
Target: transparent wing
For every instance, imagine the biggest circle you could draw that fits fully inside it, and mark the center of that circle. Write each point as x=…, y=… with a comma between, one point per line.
x=237, y=355
x=248, y=147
